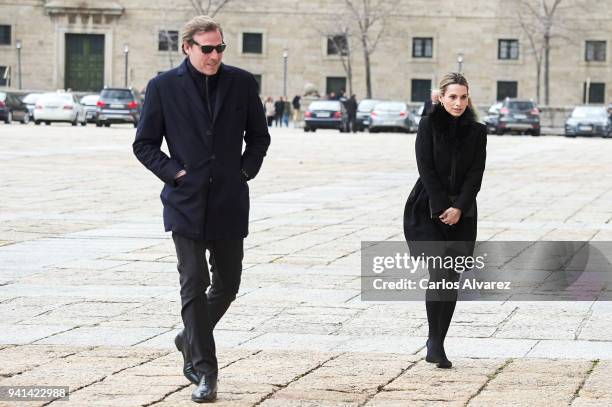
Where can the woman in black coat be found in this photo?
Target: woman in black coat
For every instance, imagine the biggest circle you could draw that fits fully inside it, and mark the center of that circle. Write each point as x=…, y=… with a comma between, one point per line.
x=440, y=213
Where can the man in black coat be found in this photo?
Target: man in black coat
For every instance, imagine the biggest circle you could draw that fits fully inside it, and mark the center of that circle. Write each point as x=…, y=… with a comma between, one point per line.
x=351, y=110
x=204, y=109
x=430, y=103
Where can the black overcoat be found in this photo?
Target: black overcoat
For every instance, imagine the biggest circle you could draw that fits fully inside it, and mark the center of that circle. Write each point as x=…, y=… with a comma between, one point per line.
x=441, y=135
x=212, y=200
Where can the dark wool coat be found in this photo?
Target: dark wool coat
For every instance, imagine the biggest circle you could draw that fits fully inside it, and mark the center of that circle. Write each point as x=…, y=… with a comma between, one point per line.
x=212, y=200
x=441, y=135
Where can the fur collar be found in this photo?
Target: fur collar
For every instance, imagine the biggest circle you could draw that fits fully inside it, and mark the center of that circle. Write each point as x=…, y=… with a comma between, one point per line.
x=446, y=124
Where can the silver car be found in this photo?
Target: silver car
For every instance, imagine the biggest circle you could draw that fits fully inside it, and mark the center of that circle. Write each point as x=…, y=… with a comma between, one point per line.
x=391, y=116
x=589, y=121
x=90, y=104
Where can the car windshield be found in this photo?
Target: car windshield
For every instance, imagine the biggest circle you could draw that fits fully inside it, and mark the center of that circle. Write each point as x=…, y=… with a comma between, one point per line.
x=116, y=94
x=325, y=105
x=55, y=97
x=367, y=105
x=31, y=98
x=2, y=95
x=584, y=111
x=89, y=100
x=520, y=105
x=391, y=107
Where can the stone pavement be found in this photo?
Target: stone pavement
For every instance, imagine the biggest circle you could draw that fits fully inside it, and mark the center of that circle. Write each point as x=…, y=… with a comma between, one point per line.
x=89, y=288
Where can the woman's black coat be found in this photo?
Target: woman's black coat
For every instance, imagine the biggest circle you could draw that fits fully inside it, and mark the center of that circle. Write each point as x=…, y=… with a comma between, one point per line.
x=439, y=136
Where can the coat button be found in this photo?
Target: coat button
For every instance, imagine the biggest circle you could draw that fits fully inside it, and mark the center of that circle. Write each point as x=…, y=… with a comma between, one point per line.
x=213, y=157
x=210, y=180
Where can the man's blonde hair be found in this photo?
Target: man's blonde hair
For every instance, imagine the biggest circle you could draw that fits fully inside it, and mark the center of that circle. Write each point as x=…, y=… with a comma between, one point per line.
x=198, y=24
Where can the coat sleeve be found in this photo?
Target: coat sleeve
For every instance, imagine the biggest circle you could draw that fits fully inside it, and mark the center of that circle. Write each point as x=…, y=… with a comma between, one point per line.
x=473, y=178
x=149, y=136
x=256, y=136
x=438, y=198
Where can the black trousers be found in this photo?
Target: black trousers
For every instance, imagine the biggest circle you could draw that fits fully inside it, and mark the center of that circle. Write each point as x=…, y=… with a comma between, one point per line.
x=201, y=310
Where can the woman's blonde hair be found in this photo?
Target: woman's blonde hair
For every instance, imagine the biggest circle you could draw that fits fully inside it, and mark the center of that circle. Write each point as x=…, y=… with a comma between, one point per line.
x=198, y=24
x=455, y=78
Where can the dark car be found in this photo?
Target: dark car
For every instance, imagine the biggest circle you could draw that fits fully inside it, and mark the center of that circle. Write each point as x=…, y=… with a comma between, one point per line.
x=118, y=105
x=363, y=113
x=589, y=121
x=13, y=108
x=90, y=105
x=326, y=114
x=515, y=116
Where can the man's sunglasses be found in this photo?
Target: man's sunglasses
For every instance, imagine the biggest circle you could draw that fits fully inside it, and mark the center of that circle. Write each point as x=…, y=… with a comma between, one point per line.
x=207, y=49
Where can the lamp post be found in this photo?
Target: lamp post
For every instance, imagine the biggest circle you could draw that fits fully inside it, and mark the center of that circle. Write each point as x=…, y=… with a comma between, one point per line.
x=126, y=51
x=459, y=62
x=285, y=57
x=18, y=46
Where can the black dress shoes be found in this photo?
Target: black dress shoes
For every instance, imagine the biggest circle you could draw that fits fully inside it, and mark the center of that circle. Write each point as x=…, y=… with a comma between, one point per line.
x=188, y=370
x=206, y=391
x=436, y=354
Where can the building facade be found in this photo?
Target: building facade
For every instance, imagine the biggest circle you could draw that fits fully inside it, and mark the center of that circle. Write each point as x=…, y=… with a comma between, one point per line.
x=292, y=46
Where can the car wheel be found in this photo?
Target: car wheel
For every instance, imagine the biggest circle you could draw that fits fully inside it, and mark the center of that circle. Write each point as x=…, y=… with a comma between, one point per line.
x=535, y=133
x=306, y=129
x=37, y=122
x=9, y=118
x=136, y=124
x=25, y=119
x=47, y=123
x=74, y=123
x=84, y=123
x=98, y=124
x=106, y=124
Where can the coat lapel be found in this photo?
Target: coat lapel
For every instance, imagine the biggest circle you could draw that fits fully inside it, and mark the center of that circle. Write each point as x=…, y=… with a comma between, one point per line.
x=225, y=82
x=193, y=99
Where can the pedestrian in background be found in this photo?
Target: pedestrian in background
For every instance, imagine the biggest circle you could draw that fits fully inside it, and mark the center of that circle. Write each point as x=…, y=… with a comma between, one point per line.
x=279, y=107
x=429, y=104
x=351, y=109
x=295, y=103
x=440, y=216
x=286, y=111
x=270, y=112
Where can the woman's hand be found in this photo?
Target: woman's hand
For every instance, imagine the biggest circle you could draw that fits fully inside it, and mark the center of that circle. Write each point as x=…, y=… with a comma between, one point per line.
x=450, y=216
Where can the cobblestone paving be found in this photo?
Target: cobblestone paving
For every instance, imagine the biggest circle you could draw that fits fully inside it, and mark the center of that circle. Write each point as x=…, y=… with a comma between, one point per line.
x=89, y=288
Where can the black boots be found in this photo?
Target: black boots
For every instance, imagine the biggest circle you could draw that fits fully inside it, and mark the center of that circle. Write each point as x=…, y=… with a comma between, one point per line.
x=439, y=315
x=206, y=391
x=188, y=369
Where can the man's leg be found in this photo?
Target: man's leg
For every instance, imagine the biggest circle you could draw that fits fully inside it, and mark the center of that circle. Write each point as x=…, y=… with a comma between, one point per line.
x=194, y=280
x=226, y=267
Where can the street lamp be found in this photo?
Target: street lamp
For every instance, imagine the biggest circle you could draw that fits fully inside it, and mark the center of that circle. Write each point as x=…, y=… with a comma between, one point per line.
x=285, y=57
x=18, y=46
x=459, y=62
x=126, y=51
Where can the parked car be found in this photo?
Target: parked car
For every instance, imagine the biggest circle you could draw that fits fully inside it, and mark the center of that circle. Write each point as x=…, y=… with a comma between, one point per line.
x=391, y=116
x=118, y=105
x=30, y=101
x=365, y=107
x=13, y=108
x=491, y=120
x=417, y=113
x=589, y=121
x=515, y=116
x=326, y=114
x=90, y=105
x=59, y=107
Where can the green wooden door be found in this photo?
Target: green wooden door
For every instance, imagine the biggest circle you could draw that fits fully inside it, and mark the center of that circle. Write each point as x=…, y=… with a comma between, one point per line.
x=84, y=62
